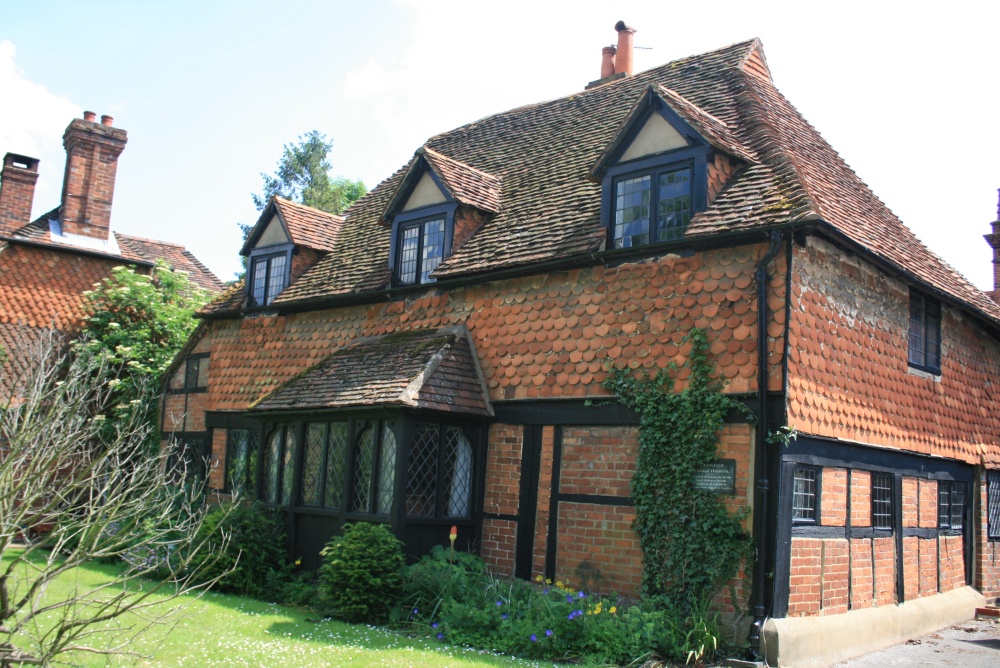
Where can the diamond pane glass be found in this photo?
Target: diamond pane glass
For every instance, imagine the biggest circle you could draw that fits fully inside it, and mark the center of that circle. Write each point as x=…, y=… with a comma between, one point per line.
x=993, y=504
x=632, y=212
x=237, y=459
x=272, y=465
x=386, y=470
x=421, y=478
x=457, y=472
x=288, y=465
x=408, y=255
x=433, y=249
x=312, y=464
x=336, y=464
x=674, y=204
x=363, y=463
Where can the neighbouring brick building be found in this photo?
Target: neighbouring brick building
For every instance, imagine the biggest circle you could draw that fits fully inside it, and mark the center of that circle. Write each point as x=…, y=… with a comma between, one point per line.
x=47, y=264
x=435, y=357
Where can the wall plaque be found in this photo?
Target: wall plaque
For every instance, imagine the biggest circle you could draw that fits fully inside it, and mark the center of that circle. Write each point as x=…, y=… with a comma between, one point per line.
x=718, y=476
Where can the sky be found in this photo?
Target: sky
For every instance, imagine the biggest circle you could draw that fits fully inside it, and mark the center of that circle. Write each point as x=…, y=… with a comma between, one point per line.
x=209, y=92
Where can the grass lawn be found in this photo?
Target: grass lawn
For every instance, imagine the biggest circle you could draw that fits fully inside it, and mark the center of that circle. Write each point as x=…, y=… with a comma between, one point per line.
x=223, y=630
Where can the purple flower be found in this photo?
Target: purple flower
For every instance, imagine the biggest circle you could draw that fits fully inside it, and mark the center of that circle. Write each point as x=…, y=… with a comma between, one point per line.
x=581, y=594
x=440, y=636
x=545, y=591
x=434, y=625
x=569, y=598
x=503, y=616
x=499, y=603
x=548, y=633
x=534, y=638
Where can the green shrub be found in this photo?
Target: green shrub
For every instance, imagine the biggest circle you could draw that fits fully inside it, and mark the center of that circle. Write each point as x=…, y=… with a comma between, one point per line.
x=361, y=577
x=257, y=550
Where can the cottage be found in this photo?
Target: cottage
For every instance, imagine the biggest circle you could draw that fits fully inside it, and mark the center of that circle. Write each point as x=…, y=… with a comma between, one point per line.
x=48, y=263
x=435, y=357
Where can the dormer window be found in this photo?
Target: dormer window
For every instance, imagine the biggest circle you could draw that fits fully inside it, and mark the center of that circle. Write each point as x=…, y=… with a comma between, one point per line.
x=421, y=249
x=268, y=277
x=652, y=207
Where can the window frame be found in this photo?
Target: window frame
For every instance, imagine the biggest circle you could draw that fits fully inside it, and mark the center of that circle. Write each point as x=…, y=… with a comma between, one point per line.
x=186, y=387
x=993, y=505
x=817, y=495
x=250, y=472
x=947, y=520
x=267, y=254
x=406, y=220
x=442, y=490
x=924, y=360
x=890, y=491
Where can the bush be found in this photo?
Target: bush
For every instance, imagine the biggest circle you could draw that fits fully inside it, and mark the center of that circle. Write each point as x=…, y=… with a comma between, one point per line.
x=361, y=577
x=257, y=552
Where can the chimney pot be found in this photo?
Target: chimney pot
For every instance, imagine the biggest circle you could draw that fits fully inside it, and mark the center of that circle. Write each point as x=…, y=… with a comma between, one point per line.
x=89, y=116
x=608, y=61
x=623, y=59
x=107, y=120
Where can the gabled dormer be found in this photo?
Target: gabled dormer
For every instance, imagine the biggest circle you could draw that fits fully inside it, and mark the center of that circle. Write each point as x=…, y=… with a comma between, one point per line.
x=438, y=206
x=287, y=239
x=666, y=162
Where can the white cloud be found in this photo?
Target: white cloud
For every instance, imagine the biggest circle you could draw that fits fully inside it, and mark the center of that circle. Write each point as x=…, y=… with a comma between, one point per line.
x=32, y=120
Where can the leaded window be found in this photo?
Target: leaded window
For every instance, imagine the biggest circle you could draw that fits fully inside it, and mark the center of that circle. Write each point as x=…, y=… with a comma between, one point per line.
x=279, y=465
x=881, y=492
x=925, y=333
x=374, y=468
x=421, y=249
x=196, y=372
x=993, y=504
x=665, y=194
x=189, y=454
x=268, y=277
x=805, y=495
x=951, y=504
x=439, y=479
x=336, y=464
x=241, y=461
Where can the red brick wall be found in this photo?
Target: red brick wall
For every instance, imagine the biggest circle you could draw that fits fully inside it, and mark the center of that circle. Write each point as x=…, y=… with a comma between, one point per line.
x=928, y=548
x=503, y=469
x=987, y=579
x=805, y=577
x=848, y=374
x=836, y=574
x=544, y=497
x=833, y=497
x=598, y=460
x=884, y=554
x=498, y=546
x=911, y=568
x=862, y=576
x=861, y=499
x=217, y=472
x=951, y=550
x=597, y=548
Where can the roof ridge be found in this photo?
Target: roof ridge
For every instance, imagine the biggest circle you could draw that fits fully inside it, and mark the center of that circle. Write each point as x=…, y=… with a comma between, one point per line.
x=436, y=153
x=306, y=206
x=159, y=242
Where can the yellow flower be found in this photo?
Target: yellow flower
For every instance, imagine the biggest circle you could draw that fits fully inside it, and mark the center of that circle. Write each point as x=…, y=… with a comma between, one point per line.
x=559, y=584
x=538, y=578
x=613, y=609
x=548, y=581
x=298, y=562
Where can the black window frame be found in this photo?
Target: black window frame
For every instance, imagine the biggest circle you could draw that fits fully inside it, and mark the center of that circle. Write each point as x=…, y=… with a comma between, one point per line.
x=407, y=220
x=188, y=386
x=442, y=485
x=693, y=157
x=195, y=449
x=951, y=513
x=267, y=255
x=250, y=465
x=817, y=472
x=925, y=316
x=882, y=491
x=993, y=505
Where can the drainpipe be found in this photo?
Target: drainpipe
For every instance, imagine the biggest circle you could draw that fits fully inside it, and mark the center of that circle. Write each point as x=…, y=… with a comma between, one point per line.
x=762, y=486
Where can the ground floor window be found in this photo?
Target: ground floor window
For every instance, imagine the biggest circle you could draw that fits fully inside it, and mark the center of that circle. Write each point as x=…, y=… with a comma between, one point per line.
x=993, y=503
x=241, y=461
x=951, y=504
x=881, y=500
x=189, y=455
x=805, y=495
x=439, y=476
x=279, y=464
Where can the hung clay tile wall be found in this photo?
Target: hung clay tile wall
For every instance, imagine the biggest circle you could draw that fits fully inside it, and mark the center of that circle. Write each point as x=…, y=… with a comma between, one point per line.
x=467, y=221
x=540, y=336
x=302, y=259
x=987, y=579
x=720, y=169
x=848, y=374
x=42, y=288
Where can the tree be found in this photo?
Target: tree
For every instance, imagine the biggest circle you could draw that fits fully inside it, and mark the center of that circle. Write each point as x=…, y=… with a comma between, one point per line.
x=93, y=494
x=135, y=325
x=303, y=176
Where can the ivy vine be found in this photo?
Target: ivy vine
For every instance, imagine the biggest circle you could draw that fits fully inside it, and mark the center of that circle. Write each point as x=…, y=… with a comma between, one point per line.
x=691, y=543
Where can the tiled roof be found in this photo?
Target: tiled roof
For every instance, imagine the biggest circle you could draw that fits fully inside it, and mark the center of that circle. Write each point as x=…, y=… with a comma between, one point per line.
x=466, y=184
x=543, y=154
x=308, y=226
x=136, y=249
x=428, y=369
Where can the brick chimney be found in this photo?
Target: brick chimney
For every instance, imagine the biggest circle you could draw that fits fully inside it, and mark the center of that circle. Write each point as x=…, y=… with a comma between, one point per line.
x=17, y=190
x=623, y=57
x=92, y=151
x=993, y=239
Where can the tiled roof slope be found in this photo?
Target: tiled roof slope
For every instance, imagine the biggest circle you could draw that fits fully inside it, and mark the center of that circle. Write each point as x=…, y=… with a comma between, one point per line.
x=308, y=226
x=132, y=248
x=544, y=152
x=466, y=184
x=428, y=369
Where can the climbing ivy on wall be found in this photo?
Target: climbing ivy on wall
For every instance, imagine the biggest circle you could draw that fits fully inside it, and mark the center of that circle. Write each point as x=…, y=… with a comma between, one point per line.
x=691, y=543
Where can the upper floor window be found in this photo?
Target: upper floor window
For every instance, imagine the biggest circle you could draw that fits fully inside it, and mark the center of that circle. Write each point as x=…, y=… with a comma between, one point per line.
x=652, y=207
x=421, y=249
x=196, y=372
x=925, y=333
x=268, y=277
